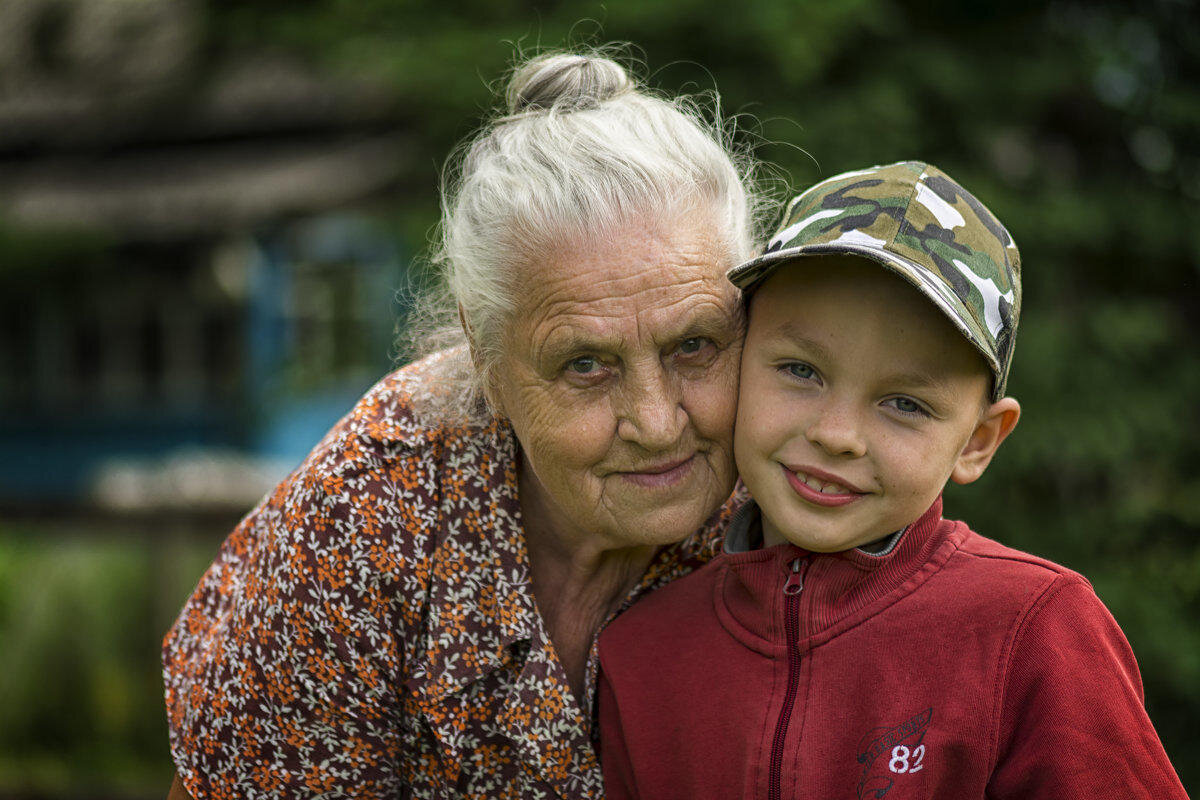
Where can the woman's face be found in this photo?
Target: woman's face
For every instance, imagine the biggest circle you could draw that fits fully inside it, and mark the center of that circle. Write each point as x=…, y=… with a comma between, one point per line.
x=620, y=379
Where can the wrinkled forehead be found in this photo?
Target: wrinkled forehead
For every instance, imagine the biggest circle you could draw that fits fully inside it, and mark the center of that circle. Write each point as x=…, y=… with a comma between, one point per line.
x=631, y=281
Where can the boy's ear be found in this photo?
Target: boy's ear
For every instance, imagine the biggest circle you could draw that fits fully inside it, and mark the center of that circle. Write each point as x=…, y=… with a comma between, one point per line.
x=996, y=423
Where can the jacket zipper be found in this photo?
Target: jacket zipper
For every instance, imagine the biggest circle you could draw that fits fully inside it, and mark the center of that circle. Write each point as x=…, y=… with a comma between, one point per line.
x=791, y=623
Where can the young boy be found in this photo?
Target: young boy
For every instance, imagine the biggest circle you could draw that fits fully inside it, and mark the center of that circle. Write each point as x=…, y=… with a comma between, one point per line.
x=850, y=642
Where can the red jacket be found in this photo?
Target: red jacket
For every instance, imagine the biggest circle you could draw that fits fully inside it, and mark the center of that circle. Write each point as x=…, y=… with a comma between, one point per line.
x=949, y=667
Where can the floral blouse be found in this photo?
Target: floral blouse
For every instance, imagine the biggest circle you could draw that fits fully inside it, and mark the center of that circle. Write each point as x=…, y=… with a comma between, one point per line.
x=369, y=629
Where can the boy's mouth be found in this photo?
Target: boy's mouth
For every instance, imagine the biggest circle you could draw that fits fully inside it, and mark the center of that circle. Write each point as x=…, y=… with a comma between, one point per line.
x=821, y=488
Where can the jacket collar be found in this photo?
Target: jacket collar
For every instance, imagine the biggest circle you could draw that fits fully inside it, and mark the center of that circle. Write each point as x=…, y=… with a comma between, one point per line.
x=840, y=589
x=745, y=534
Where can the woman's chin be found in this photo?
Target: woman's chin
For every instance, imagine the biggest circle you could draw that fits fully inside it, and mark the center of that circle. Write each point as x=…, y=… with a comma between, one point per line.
x=661, y=518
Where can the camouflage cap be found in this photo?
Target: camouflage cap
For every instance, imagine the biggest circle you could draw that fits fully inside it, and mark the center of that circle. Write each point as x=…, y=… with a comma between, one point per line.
x=918, y=222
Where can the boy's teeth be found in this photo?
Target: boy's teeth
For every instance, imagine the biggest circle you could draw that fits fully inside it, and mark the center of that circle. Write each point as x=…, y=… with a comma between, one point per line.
x=823, y=488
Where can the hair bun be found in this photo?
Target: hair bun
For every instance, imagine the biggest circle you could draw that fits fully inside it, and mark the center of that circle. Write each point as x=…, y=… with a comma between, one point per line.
x=565, y=81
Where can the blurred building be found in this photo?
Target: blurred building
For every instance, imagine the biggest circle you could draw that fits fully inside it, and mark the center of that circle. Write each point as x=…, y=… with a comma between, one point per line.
x=193, y=283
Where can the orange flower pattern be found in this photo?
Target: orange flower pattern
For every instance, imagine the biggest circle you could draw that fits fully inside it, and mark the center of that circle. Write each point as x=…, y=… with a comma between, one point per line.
x=369, y=629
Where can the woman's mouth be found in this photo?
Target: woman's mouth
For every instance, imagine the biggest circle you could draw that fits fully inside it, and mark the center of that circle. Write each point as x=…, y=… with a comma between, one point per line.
x=660, y=475
x=821, y=488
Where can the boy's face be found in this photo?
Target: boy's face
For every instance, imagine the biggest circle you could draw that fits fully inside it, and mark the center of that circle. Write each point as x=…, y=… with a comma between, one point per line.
x=858, y=401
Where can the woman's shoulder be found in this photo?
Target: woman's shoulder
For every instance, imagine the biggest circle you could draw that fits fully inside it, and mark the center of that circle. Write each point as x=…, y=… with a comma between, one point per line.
x=389, y=460
x=403, y=422
x=351, y=534
x=318, y=600
x=408, y=408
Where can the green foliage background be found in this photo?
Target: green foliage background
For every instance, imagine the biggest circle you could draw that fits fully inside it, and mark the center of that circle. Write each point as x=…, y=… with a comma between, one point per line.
x=1075, y=122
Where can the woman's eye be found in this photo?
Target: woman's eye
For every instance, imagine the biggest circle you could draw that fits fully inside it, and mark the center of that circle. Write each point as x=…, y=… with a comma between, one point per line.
x=693, y=344
x=583, y=365
x=800, y=370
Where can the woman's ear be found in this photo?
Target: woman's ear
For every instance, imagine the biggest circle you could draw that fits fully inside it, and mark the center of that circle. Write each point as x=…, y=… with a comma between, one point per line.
x=466, y=326
x=995, y=424
x=489, y=393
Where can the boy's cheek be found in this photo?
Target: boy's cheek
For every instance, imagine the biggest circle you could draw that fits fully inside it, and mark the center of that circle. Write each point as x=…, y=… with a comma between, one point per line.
x=742, y=454
x=759, y=424
x=751, y=454
x=754, y=391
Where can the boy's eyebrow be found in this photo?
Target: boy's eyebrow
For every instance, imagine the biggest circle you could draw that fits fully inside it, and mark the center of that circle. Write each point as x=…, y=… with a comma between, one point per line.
x=795, y=335
x=915, y=379
x=929, y=386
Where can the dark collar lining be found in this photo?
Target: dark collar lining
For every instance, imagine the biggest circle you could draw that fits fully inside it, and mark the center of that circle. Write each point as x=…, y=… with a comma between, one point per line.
x=745, y=534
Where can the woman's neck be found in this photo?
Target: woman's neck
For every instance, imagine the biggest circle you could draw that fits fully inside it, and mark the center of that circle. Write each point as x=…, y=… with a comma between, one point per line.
x=578, y=580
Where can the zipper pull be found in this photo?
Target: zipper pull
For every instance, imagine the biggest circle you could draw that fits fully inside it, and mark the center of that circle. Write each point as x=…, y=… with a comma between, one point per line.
x=795, y=581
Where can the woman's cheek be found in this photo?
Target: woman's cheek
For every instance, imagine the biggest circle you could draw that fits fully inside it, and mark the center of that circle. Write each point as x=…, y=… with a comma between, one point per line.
x=711, y=400
x=574, y=436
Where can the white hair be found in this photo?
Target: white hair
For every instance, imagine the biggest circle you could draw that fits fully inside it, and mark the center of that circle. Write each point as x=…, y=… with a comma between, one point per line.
x=582, y=150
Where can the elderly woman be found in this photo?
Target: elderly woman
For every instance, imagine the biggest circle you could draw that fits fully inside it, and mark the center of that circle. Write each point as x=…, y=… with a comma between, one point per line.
x=413, y=613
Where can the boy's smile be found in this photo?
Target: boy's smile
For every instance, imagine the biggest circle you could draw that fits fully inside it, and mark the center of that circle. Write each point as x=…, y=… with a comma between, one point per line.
x=858, y=401
x=821, y=488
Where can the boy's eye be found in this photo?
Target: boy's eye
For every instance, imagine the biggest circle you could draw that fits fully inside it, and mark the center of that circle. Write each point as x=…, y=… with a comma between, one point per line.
x=800, y=370
x=906, y=405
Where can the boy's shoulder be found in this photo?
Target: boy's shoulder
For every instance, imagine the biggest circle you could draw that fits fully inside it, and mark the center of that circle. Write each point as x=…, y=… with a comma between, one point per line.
x=1005, y=571
x=976, y=544
x=977, y=573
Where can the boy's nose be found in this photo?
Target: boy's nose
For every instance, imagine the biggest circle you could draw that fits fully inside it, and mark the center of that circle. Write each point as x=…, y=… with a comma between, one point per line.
x=836, y=429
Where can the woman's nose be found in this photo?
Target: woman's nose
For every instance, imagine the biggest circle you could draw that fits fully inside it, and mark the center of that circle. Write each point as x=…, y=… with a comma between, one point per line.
x=837, y=429
x=652, y=414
